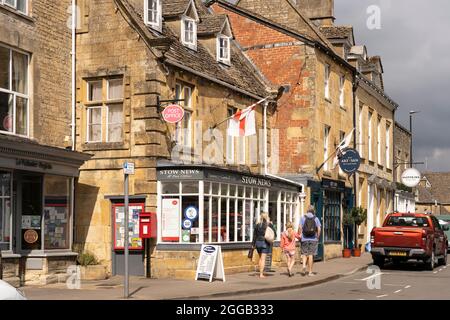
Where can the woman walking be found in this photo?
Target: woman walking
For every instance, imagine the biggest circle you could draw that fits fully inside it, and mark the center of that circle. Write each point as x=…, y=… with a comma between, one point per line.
x=261, y=244
x=287, y=245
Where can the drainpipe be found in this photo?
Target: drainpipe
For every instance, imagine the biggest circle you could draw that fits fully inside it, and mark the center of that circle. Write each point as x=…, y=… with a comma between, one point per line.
x=355, y=186
x=74, y=26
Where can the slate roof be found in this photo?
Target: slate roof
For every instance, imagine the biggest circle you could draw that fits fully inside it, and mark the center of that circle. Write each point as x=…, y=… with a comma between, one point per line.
x=240, y=74
x=440, y=188
x=337, y=32
x=211, y=24
x=174, y=8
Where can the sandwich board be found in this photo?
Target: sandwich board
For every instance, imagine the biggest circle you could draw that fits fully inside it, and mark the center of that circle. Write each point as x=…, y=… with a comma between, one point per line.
x=210, y=264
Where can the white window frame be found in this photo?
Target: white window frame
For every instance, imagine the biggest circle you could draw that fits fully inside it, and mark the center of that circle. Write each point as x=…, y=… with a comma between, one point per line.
x=14, y=6
x=361, y=140
x=183, y=136
x=108, y=122
x=88, y=83
x=192, y=45
x=227, y=59
x=369, y=135
x=88, y=138
x=388, y=146
x=341, y=91
x=326, y=140
x=157, y=25
x=107, y=89
x=327, y=81
x=16, y=94
x=379, y=141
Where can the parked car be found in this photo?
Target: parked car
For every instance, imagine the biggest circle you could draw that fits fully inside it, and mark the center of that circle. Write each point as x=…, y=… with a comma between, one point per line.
x=445, y=221
x=8, y=292
x=410, y=236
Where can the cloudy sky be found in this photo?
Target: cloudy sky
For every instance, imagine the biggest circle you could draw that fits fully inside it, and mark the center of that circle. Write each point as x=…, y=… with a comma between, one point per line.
x=414, y=43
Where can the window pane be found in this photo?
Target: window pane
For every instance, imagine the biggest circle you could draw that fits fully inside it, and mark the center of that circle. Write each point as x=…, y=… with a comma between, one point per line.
x=11, y=2
x=95, y=91
x=95, y=124
x=19, y=72
x=115, y=123
x=31, y=209
x=215, y=219
x=223, y=220
x=187, y=96
x=5, y=209
x=190, y=234
x=21, y=115
x=56, y=212
x=232, y=220
x=6, y=112
x=170, y=187
x=4, y=68
x=190, y=187
x=115, y=89
x=22, y=6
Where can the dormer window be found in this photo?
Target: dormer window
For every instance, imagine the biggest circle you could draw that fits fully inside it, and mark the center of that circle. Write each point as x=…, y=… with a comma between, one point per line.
x=223, y=49
x=153, y=14
x=189, y=32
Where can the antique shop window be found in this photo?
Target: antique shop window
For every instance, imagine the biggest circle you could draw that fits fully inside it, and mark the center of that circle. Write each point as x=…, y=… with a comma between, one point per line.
x=332, y=216
x=19, y=5
x=223, y=49
x=57, y=214
x=153, y=13
x=183, y=131
x=14, y=96
x=5, y=210
x=104, y=108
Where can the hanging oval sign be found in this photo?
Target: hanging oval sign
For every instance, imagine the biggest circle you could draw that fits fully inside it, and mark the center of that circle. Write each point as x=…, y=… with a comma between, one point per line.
x=350, y=161
x=411, y=177
x=173, y=113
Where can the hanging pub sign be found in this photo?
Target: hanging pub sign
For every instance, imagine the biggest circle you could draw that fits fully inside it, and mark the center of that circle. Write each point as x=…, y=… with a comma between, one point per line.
x=411, y=177
x=350, y=161
x=173, y=113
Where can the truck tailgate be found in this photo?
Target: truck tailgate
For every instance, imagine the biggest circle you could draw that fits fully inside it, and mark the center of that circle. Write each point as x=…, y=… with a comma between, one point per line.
x=398, y=237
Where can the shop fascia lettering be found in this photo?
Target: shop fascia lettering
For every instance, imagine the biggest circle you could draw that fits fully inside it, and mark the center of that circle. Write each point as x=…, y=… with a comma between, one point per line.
x=253, y=181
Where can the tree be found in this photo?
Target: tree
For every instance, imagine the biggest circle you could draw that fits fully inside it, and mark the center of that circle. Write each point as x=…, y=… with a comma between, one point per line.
x=359, y=215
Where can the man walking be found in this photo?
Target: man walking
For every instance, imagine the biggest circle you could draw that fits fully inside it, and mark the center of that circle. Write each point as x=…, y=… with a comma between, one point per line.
x=309, y=229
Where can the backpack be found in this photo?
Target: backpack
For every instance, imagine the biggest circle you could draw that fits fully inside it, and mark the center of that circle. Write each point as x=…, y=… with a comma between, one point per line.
x=309, y=227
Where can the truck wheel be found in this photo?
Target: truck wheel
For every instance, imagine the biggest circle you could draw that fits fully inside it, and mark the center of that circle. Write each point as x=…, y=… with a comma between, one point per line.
x=443, y=261
x=379, y=262
x=429, y=263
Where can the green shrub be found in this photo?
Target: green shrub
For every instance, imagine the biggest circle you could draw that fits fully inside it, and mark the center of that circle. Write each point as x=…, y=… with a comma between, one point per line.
x=87, y=259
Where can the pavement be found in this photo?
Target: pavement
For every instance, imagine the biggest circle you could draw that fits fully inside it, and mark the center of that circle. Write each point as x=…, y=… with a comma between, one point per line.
x=236, y=285
x=406, y=281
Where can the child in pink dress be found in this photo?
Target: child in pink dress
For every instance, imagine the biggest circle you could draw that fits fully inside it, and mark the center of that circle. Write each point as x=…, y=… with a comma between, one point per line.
x=287, y=245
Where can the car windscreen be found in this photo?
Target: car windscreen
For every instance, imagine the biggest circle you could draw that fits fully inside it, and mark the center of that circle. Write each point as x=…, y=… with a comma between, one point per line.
x=407, y=222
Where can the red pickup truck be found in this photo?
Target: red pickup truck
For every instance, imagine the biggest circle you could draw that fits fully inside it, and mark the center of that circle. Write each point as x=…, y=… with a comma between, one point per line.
x=406, y=236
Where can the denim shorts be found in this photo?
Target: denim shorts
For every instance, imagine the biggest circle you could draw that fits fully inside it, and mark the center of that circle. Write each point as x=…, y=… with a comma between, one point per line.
x=262, y=247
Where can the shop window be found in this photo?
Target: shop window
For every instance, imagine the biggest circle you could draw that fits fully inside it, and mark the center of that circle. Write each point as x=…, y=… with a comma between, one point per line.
x=332, y=216
x=104, y=108
x=57, y=206
x=31, y=210
x=14, y=99
x=5, y=210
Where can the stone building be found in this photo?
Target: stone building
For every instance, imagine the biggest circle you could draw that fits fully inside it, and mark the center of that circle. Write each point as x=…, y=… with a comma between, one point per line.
x=204, y=185
x=334, y=86
x=37, y=173
x=404, y=196
x=433, y=193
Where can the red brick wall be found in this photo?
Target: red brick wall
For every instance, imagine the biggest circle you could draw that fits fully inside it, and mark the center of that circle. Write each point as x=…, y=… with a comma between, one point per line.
x=283, y=61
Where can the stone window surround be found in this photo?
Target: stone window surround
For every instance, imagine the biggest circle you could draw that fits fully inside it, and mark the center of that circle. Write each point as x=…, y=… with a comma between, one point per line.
x=15, y=94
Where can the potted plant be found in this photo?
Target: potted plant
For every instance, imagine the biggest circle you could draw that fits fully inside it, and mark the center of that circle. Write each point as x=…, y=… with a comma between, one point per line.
x=347, y=221
x=359, y=215
x=91, y=269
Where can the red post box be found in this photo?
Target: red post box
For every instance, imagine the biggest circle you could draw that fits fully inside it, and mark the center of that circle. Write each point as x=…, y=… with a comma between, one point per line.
x=147, y=225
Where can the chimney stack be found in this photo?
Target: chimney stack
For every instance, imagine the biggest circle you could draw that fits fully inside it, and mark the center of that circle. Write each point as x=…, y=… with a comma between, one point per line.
x=321, y=12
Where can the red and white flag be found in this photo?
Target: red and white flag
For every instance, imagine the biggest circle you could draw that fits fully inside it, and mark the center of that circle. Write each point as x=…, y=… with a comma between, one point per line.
x=342, y=146
x=243, y=122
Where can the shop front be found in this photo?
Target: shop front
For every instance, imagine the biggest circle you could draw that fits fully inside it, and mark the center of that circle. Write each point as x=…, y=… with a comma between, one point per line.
x=36, y=205
x=198, y=205
x=330, y=198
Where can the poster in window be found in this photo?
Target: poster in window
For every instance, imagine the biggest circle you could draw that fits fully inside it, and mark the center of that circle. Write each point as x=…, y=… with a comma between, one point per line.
x=170, y=219
x=56, y=217
x=135, y=243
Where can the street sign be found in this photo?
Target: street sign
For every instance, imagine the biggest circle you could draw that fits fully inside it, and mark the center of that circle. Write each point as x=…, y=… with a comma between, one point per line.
x=173, y=113
x=350, y=161
x=411, y=177
x=128, y=168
